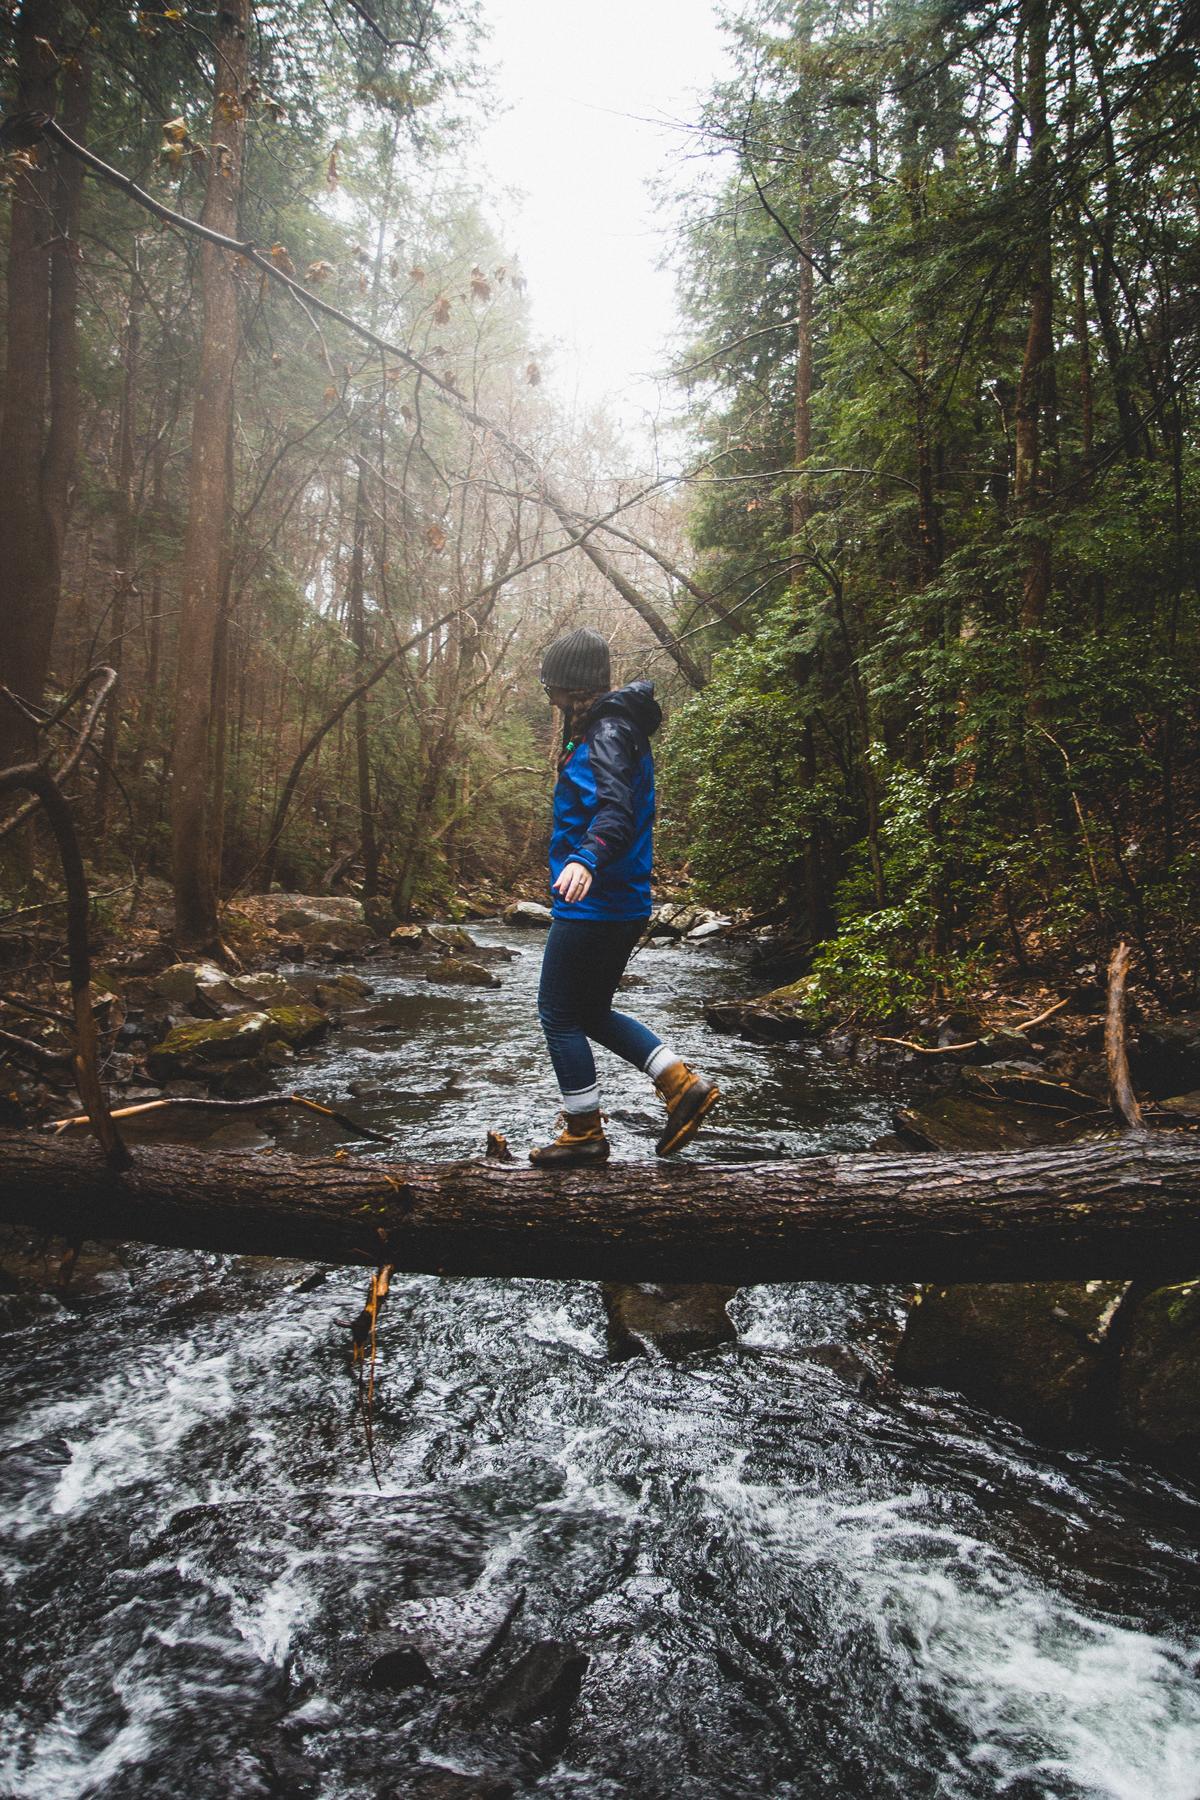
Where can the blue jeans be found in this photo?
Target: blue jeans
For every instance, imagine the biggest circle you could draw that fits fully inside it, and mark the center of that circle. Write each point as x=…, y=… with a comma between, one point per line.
x=583, y=962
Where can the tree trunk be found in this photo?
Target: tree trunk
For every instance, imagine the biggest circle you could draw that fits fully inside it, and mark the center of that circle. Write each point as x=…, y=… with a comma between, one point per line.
x=208, y=497
x=358, y=632
x=802, y=408
x=1034, y=386
x=123, y=544
x=1121, y=1210
x=27, y=529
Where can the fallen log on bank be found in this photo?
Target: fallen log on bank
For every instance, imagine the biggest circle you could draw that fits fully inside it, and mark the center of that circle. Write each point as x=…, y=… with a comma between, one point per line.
x=1125, y=1209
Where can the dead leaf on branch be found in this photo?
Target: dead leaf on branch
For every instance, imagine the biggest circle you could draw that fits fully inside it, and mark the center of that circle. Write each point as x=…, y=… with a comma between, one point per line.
x=435, y=537
x=441, y=310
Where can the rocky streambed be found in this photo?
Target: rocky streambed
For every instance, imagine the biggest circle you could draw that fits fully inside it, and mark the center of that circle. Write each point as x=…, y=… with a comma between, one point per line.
x=640, y=1543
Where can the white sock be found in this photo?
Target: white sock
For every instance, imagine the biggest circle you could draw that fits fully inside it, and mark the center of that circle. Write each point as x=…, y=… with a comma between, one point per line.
x=660, y=1060
x=583, y=1099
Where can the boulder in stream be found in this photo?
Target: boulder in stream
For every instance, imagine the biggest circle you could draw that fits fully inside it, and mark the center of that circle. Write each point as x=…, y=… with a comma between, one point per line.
x=543, y=1683
x=1036, y=1351
x=673, y=1319
x=461, y=973
x=1158, y=1385
x=192, y=1049
x=529, y=914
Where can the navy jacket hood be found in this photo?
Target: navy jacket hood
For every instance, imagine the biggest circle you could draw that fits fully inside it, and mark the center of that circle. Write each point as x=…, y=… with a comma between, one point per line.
x=634, y=702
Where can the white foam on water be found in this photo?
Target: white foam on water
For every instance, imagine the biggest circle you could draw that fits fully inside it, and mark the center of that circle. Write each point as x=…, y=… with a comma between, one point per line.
x=268, y=1621
x=120, y=1433
x=556, y=1326
x=1044, y=1689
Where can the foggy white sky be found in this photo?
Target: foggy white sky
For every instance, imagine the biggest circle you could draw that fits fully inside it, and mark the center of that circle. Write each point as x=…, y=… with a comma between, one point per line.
x=584, y=82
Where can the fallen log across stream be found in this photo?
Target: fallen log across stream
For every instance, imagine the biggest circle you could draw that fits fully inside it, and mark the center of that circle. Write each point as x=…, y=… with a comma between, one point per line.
x=1124, y=1209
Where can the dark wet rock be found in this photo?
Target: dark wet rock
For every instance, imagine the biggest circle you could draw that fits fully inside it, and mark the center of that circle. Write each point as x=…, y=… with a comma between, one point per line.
x=265, y=989
x=783, y=1013
x=959, y=1028
x=451, y=937
x=119, y=1068
x=1182, y=1106
x=843, y=1362
x=193, y=1048
x=1165, y=1055
x=178, y=983
x=394, y=1012
x=398, y=1667
x=409, y=938
x=432, y=1783
x=673, y=1319
x=543, y=1684
x=529, y=914
x=336, y=939
x=956, y=1121
x=239, y=1134
x=461, y=973
x=30, y=1263
x=1158, y=1386
x=331, y=990
x=1037, y=1352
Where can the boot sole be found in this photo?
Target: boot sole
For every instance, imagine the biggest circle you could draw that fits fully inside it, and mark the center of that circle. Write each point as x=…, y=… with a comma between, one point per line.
x=676, y=1136
x=568, y=1159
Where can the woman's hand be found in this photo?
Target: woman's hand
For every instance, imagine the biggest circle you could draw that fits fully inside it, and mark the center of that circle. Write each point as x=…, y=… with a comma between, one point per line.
x=573, y=882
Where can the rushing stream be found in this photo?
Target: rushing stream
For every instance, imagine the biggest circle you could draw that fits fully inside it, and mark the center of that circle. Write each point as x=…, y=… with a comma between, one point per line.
x=786, y=1583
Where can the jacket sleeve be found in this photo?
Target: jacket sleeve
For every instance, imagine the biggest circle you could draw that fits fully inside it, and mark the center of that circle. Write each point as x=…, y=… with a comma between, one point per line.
x=615, y=748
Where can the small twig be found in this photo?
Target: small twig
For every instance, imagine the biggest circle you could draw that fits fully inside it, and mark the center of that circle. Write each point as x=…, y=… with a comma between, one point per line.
x=1124, y=1100
x=1028, y=1024
x=927, y=1049
x=19, y=1004
x=973, y=1044
x=58, y=1061
x=91, y=718
x=33, y=779
x=205, y=1105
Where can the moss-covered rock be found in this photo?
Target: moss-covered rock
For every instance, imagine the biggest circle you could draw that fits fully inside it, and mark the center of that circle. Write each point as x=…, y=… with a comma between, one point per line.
x=1038, y=1352
x=265, y=989
x=1158, y=1388
x=193, y=1048
x=792, y=1011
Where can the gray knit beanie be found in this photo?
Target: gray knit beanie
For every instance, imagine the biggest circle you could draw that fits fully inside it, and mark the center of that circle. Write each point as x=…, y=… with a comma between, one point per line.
x=578, y=661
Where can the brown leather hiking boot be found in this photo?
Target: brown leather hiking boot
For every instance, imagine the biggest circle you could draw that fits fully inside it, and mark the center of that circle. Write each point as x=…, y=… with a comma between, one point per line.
x=581, y=1140
x=688, y=1097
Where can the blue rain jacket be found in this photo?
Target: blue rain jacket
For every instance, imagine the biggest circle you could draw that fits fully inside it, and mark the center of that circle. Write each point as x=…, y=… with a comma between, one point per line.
x=604, y=807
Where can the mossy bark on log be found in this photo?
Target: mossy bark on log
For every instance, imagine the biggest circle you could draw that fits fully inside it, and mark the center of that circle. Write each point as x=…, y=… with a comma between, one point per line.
x=1122, y=1210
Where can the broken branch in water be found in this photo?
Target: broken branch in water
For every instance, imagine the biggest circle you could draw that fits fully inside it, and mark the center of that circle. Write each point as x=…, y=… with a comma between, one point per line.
x=973, y=1043
x=141, y=1107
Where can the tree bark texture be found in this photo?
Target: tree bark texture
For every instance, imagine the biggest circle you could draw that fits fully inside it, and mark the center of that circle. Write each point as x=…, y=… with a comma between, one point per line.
x=1125, y=1210
x=209, y=496
x=28, y=531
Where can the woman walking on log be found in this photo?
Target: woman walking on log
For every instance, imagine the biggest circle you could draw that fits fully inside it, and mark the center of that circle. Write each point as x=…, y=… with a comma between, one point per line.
x=601, y=850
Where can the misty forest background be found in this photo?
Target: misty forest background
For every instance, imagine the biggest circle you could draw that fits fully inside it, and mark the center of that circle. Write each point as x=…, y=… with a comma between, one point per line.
x=922, y=611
